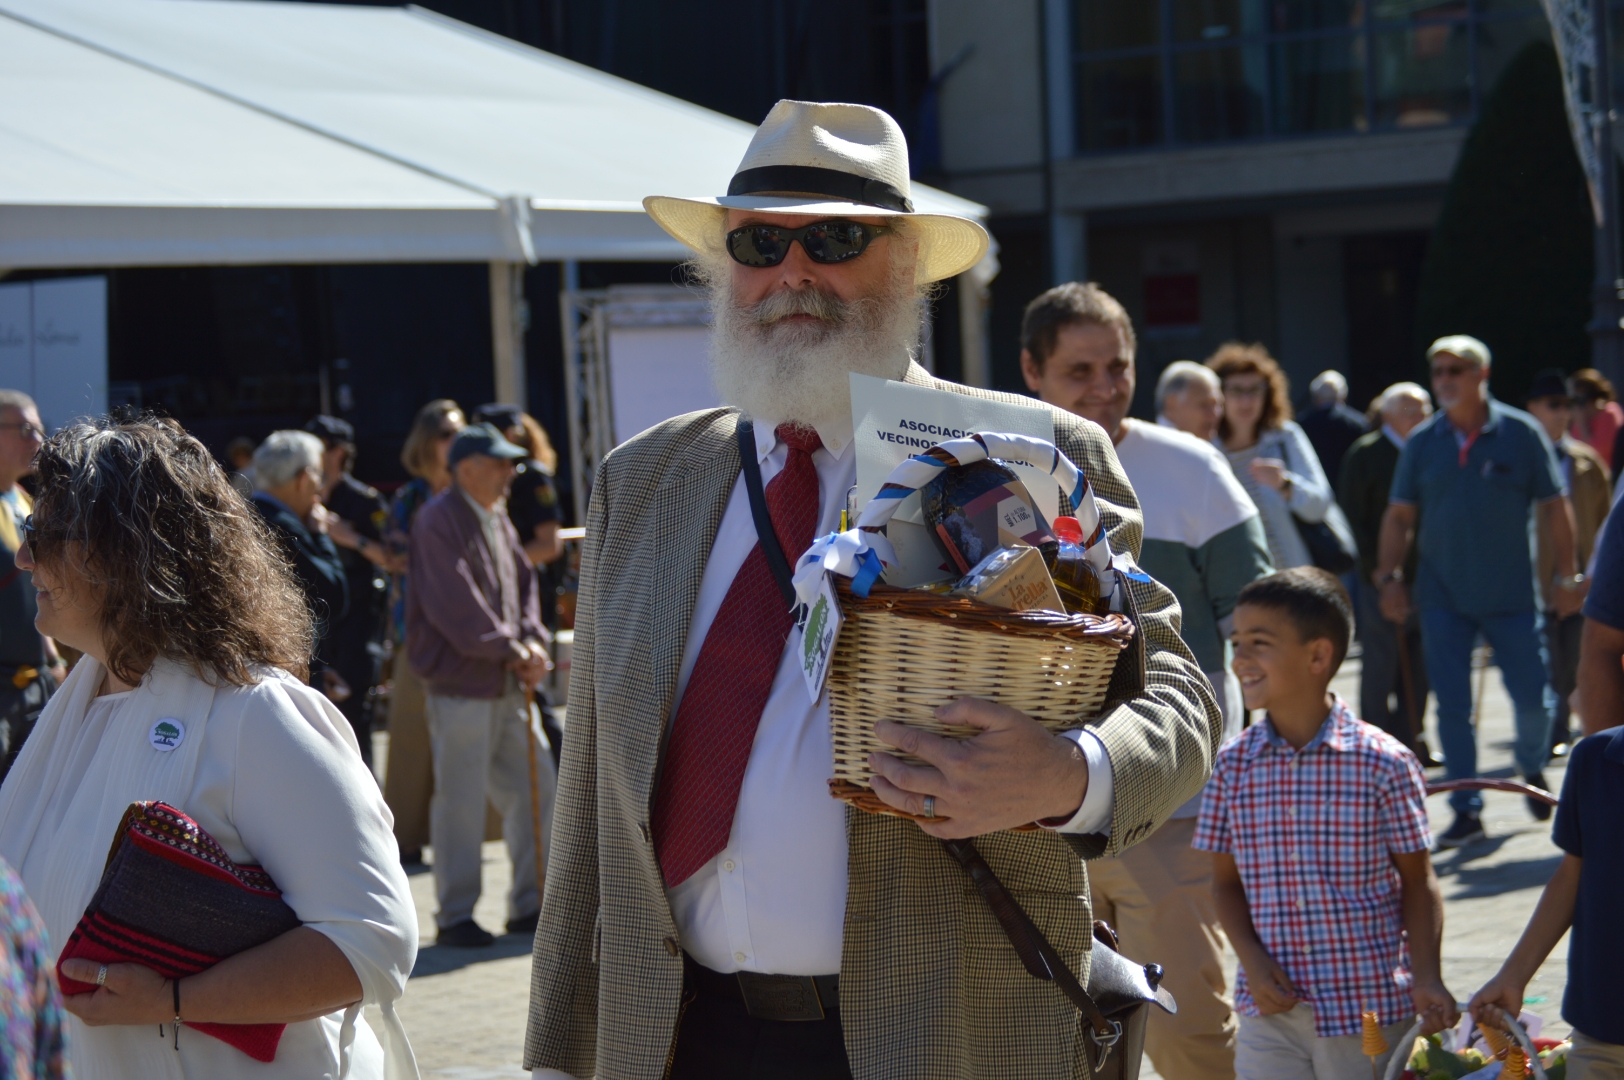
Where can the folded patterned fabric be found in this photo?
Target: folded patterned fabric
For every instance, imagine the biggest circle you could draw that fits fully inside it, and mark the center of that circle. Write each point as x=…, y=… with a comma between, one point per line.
x=172, y=900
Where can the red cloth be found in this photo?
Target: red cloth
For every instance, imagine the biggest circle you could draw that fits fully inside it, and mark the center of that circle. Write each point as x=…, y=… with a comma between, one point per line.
x=732, y=678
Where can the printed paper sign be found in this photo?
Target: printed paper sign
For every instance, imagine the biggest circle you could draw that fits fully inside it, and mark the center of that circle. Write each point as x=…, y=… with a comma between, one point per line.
x=894, y=420
x=818, y=635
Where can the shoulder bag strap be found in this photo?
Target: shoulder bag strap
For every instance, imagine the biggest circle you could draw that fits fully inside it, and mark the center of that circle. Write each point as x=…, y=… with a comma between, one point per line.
x=1040, y=958
x=765, y=533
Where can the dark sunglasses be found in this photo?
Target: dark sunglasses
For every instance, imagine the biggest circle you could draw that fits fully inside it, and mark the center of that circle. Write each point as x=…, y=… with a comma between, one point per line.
x=824, y=242
x=31, y=537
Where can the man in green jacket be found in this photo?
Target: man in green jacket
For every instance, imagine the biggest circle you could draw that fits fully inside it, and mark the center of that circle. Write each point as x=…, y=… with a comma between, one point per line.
x=1388, y=689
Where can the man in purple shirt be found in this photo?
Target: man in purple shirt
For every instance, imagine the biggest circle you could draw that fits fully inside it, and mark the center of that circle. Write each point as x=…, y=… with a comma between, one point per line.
x=474, y=636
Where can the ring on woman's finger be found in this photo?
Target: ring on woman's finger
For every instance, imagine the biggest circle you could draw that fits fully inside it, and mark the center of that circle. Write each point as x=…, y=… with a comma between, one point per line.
x=930, y=806
x=101, y=976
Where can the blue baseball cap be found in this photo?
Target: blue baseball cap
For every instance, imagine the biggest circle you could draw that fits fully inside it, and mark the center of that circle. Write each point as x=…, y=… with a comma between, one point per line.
x=483, y=439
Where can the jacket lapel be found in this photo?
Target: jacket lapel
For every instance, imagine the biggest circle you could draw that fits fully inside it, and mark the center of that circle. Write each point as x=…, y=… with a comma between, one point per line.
x=687, y=510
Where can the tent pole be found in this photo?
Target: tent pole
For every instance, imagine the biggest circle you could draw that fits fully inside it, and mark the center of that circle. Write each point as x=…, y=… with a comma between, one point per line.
x=508, y=318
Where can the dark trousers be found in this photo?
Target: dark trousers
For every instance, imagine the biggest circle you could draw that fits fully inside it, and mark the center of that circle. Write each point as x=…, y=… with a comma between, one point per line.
x=1562, y=653
x=1382, y=700
x=356, y=664
x=718, y=1040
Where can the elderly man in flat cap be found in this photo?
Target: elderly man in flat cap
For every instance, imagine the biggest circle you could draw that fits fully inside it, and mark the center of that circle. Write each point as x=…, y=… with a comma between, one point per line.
x=710, y=911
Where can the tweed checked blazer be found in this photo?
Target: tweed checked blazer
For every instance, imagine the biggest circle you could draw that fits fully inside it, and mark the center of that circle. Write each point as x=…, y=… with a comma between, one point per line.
x=929, y=986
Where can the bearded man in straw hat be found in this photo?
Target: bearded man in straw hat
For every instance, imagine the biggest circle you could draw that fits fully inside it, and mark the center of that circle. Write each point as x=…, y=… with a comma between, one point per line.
x=710, y=911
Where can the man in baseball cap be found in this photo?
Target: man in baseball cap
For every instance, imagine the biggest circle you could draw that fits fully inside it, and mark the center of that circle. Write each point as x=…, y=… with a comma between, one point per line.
x=474, y=636
x=711, y=911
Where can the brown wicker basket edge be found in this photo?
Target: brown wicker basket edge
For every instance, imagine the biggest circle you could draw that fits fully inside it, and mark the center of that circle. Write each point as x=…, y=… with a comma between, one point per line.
x=922, y=604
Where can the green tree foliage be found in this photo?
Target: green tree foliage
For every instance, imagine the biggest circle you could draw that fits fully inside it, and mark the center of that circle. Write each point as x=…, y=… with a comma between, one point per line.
x=1511, y=258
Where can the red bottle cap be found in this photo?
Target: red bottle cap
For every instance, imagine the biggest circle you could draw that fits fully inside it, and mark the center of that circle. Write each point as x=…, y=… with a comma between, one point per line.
x=1068, y=529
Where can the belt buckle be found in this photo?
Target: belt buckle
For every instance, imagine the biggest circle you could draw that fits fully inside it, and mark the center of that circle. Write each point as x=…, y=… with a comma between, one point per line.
x=780, y=997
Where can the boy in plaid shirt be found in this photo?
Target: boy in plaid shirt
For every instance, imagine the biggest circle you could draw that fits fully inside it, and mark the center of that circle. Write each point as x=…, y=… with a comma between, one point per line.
x=1318, y=829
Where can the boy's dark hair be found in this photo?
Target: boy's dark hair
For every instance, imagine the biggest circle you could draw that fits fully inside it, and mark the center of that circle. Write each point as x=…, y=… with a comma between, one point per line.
x=1313, y=599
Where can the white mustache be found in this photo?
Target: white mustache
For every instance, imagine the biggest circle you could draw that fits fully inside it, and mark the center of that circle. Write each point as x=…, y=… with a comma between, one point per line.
x=809, y=301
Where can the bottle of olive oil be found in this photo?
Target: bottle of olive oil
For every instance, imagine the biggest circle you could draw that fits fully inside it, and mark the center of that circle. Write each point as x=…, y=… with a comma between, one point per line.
x=1079, y=583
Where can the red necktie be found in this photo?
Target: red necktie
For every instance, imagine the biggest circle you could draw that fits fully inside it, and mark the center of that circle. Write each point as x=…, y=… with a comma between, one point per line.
x=721, y=707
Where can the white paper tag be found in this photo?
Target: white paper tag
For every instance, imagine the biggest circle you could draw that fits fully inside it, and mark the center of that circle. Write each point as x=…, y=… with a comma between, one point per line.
x=818, y=633
x=166, y=734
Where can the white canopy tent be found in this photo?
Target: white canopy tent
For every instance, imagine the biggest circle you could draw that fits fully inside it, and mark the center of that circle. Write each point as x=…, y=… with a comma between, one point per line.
x=185, y=132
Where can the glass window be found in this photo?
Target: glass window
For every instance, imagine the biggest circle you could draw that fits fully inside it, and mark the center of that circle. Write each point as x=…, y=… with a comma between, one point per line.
x=1115, y=24
x=1218, y=93
x=1288, y=15
x=1407, y=10
x=1498, y=43
x=1119, y=103
x=1319, y=84
x=1239, y=69
x=1215, y=20
x=1423, y=75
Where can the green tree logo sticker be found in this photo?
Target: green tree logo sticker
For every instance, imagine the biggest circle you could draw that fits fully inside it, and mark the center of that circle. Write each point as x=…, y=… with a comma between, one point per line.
x=166, y=734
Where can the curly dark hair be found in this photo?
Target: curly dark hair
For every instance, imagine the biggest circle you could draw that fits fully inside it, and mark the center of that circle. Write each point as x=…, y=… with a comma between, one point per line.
x=1235, y=358
x=186, y=568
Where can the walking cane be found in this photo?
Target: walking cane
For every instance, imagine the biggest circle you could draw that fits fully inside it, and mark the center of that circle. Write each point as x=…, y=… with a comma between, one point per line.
x=1406, y=680
x=532, y=720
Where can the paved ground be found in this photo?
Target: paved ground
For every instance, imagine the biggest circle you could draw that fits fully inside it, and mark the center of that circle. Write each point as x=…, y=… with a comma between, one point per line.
x=465, y=1009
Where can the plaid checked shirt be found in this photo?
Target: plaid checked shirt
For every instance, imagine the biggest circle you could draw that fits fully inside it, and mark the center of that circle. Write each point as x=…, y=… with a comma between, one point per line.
x=1311, y=831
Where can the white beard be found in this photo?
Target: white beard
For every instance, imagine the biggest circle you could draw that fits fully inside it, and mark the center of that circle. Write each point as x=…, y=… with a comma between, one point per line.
x=779, y=372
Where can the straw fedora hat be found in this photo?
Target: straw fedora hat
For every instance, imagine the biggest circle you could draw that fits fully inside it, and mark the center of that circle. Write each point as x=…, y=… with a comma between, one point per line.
x=825, y=160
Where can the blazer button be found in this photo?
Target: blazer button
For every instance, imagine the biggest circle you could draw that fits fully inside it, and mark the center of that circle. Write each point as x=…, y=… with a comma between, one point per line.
x=671, y=946
x=642, y=828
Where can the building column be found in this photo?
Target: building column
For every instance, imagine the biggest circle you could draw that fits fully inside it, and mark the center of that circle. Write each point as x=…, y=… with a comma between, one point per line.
x=1068, y=241
x=510, y=317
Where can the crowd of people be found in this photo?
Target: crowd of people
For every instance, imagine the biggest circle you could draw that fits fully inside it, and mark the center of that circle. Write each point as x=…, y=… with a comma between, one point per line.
x=1245, y=496
x=220, y=642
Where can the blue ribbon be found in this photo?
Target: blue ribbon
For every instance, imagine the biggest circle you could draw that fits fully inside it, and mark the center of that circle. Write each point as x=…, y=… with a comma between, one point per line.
x=867, y=573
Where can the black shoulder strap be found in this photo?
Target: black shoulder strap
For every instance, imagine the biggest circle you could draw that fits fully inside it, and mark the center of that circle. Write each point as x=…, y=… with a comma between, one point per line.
x=765, y=533
x=1037, y=955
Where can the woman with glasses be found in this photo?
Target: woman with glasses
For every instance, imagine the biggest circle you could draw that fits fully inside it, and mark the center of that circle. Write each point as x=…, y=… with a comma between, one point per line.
x=409, y=775
x=196, y=638
x=1269, y=453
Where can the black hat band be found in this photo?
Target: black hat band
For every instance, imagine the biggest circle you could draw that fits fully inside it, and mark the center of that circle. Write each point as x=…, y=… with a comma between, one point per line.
x=829, y=183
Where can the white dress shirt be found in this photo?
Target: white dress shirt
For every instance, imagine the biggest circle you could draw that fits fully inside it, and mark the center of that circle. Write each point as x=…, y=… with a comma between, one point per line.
x=774, y=899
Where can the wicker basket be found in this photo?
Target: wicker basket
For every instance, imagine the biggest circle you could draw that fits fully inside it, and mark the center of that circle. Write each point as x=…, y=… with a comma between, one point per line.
x=902, y=653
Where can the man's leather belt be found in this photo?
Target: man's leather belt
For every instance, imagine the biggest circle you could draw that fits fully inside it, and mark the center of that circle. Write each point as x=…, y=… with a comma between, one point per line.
x=767, y=997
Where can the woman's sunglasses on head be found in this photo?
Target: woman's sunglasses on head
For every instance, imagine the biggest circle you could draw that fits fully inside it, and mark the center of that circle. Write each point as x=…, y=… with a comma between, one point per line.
x=825, y=242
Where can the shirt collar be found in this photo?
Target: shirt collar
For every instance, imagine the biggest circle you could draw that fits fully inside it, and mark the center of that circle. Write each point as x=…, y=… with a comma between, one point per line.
x=1335, y=733
x=1163, y=421
x=836, y=438
x=266, y=496
x=1393, y=436
x=485, y=516
x=1490, y=426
